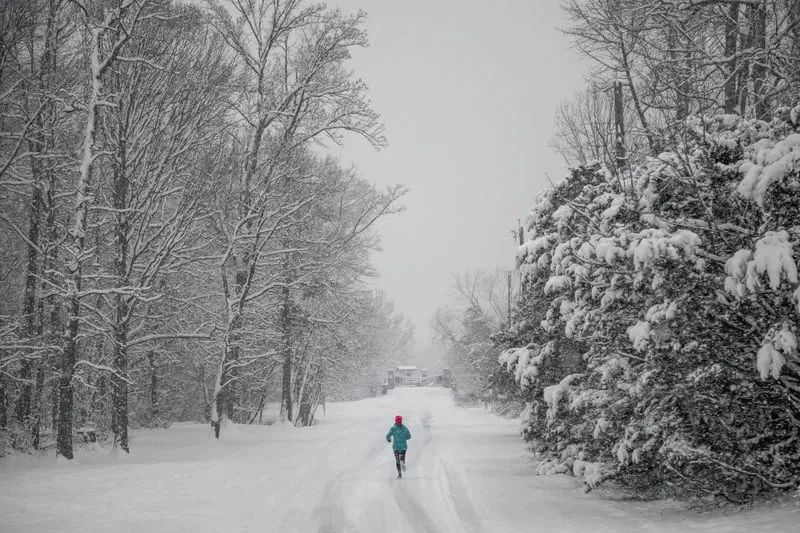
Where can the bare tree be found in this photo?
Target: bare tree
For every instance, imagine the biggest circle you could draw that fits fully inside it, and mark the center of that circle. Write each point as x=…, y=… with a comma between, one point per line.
x=584, y=128
x=295, y=90
x=190, y=204
x=677, y=58
x=330, y=259
x=170, y=106
x=611, y=33
x=108, y=29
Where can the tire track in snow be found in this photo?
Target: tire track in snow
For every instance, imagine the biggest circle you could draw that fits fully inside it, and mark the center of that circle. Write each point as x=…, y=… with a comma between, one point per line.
x=332, y=517
x=452, y=489
x=338, y=491
x=330, y=511
x=413, y=511
x=462, y=503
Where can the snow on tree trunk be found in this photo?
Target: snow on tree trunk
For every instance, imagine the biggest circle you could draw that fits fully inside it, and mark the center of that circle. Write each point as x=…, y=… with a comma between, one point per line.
x=285, y=321
x=99, y=61
x=121, y=317
x=222, y=400
x=77, y=235
x=760, y=86
x=30, y=327
x=154, y=413
x=216, y=402
x=119, y=379
x=38, y=145
x=3, y=406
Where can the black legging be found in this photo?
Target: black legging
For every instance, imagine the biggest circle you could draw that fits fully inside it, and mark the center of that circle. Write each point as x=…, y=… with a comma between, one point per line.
x=399, y=457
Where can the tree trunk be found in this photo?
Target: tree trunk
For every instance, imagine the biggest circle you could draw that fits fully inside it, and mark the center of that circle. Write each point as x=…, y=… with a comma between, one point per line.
x=619, y=131
x=54, y=398
x=760, y=97
x=37, y=410
x=637, y=104
x=119, y=385
x=309, y=397
x=77, y=250
x=201, y=379
x=3, y=408
x=300, y=384
x=231, y=396
x=794, y=21
x=56, y=334
x=258, y=413
x=65, y=393
x=285, y=324
x=731, y=38
x=678, y=75
x=23, y=408
x=223, y=402
x=122, y=303
x=54, y=303
x=218, y=399
x=684, y=86
x=39, y=145
x=746, y=40
x=154, y=414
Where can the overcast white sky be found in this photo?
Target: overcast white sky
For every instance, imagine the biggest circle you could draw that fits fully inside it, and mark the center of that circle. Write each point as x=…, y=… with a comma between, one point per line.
x=468, y=90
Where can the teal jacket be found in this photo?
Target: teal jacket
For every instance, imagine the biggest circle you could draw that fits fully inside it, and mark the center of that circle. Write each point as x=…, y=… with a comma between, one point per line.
x=398, y=436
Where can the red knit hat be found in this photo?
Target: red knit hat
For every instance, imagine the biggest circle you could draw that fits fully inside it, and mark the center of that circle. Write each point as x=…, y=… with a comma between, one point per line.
x=398, y=419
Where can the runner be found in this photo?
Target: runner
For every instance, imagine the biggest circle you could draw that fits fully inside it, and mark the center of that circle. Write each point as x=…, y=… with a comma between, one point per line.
x=399, y=435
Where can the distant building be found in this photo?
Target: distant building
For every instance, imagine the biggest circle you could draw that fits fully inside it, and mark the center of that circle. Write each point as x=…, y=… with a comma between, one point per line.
x=408, y=375
x=408, y=371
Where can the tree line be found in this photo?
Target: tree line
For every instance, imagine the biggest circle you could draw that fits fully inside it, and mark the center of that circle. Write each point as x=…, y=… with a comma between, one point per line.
x=655, y=62
x=177, y=244
x=653, y=341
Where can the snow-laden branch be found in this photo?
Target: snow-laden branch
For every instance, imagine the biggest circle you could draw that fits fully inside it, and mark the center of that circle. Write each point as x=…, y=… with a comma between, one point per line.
x=104, y=368
x=167, y=336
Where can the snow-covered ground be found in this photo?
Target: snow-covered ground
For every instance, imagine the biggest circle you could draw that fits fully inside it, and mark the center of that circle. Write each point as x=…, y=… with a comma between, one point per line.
x=468, y=472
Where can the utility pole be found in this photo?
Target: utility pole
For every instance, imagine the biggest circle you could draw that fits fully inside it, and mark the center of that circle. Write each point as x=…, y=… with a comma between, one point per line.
x=509, y=299
x=519, y=235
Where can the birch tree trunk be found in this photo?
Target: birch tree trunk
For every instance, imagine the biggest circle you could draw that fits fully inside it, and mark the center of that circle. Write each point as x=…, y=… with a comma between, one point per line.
x=120, y=32
x=77, y=241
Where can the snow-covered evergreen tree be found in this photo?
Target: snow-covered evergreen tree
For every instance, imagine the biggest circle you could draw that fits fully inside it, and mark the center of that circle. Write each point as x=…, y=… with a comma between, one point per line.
x=656, y=336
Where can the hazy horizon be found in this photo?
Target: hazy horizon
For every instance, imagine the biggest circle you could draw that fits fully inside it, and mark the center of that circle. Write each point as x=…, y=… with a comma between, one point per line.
x=468, y=94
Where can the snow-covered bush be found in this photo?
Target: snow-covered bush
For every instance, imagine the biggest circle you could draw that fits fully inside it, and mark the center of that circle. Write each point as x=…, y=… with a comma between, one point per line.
x=669, y=304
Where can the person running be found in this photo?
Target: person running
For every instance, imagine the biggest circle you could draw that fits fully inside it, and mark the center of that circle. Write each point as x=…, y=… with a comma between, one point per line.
x=399, y=435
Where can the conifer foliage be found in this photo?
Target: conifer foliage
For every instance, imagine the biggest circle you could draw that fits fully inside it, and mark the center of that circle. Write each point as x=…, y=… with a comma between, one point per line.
x=656, y=333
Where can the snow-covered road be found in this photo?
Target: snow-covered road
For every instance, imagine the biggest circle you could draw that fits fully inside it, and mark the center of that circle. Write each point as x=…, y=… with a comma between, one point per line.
x=468, y=472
